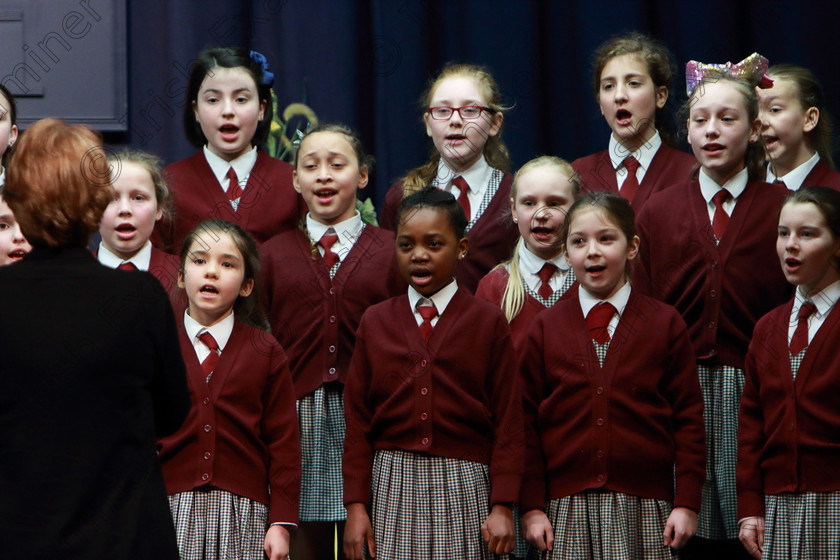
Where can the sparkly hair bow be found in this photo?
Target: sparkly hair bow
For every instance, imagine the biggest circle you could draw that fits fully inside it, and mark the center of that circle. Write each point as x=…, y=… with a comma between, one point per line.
x=752, y=69
x=268, y=77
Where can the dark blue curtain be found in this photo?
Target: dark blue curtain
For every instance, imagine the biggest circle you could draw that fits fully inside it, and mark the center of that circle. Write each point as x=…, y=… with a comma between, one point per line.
x=367, y=62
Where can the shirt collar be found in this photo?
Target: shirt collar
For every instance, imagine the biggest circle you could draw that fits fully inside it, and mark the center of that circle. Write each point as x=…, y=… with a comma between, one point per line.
x=241, y=165
x=2, y=175
x=475, y=176
x=618, y=299
x=533, y=264
x=349, y=229
x=735, y=185
x=644, y=155
x=221, y=331
x=824, y=299
x=441, y=298
x=794, y=179
x=141, y=259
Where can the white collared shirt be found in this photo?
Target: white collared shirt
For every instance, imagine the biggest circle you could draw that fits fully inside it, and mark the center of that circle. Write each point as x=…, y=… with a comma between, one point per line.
x=441, y=299
x=794, y=179
x=141, y=260
x=824, y=300
x=220, y=331
x=644, y=155
x=530, y=266
x=241, y=165
x=347, y=231
x=709, y=188
x=477, y=177
x=618, y=300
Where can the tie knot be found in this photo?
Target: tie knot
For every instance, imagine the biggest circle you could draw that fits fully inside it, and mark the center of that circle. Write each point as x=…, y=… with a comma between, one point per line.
x=720, y=197
x=461, y=183
x=808, y=308
x=546, y=272
x=208, y=341
x=631, y=164
x=231, y=174
x=126, y=266
x=328, y=240
x=428, y=312
x=598, y=320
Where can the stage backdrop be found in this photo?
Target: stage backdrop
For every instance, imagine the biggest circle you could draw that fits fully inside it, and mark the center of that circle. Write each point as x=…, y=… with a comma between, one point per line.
x=366, y=62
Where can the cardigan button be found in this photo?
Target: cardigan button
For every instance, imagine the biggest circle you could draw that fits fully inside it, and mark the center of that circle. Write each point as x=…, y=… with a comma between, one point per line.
x=332, y=318
x=600, y=454
x=425, y=441
x=424, y=416
x=206, y=455
x=332, y=291
x=206, y=400
x=711, y=324
x=599, y=422
x=207, y=427
x=600, y=478
x=714, y=265
x=332, y=349
x=332, y=371
x=422, y=363
x=599, y=391
x=205, y=476
x=424, y=391
x=792, y=426
x=713, y=293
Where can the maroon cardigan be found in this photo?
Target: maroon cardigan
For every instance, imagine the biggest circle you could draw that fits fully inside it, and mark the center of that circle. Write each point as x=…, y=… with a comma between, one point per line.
x=315, y=319
x=720, y=290
x=622, y=427
x=822, y=176
x=242, y=432
x=268, y=206
x=492, y=288
x=457, y=396
x=492, y=237
x=668, y=167
x=789, y=430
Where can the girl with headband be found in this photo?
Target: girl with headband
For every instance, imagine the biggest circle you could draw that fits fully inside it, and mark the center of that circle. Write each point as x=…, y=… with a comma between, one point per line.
x=715, y=262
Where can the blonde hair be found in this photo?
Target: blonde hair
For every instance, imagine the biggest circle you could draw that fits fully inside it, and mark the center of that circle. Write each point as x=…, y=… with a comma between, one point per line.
x=513, y=297
x=495, y=151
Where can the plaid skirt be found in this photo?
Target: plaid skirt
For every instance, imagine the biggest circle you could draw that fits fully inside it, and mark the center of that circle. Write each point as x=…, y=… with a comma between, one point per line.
x=321, y=418
x=802, y=526
x=213, y=523
x=722, y=387
x=429, y=507
x=601, y=525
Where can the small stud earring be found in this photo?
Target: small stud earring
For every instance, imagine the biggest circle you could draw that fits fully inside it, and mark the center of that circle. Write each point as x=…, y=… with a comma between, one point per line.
x=515, y=221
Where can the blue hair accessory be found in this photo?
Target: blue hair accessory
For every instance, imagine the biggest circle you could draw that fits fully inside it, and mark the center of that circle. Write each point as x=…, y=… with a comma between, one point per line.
x=298, y=136
x=268, y=77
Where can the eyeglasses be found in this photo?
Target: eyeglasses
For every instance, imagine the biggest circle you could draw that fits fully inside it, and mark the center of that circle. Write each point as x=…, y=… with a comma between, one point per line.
x=467, y=112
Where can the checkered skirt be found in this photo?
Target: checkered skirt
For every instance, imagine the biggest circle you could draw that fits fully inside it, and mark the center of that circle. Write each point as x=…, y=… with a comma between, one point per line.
x=429, y=507
x=802, y=526
x=722, y=387
x=321, y=418
x=600, y=525
x=213, y=523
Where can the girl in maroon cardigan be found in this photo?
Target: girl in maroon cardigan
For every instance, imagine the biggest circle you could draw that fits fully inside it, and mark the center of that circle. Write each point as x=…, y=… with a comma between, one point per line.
x=319, y=280
x=788, y=481
x=463, y=114
x=227, y=116
x=612, y=406
x=796, y=129
x=537, y=275
x=707, y=249
x=141, y=199
x=233, y=469
x=434, y=427
x=632, y=78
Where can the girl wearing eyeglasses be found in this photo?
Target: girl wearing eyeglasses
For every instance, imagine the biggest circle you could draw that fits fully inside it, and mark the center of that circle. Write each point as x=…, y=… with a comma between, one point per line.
x=464, y=120
x=632, y=76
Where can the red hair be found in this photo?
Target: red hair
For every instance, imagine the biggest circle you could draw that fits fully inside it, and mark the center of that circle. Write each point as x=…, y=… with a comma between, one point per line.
x=58, y=183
